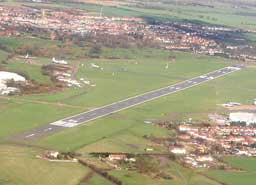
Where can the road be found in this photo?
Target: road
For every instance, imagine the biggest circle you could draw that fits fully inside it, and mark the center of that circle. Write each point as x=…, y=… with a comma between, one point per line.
x=121, y=105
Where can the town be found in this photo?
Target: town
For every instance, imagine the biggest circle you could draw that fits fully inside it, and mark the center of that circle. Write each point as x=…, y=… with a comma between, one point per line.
x=183, y=36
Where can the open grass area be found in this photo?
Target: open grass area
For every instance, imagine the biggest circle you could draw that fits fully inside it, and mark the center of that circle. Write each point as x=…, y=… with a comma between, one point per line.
x=19, y=165
x=236, y=178
x=18, y=115
x=43, y=47
x=196, y=103
x=13, y=43
x=122, y=78
x=2, y=54
x=127, y=141
x=96, y=180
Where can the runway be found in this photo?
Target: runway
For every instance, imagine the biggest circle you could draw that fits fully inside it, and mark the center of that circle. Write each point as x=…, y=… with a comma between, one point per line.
x=122, y=105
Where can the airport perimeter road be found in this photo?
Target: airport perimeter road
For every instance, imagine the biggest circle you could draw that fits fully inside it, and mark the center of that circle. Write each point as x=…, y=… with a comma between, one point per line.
x=121, y=105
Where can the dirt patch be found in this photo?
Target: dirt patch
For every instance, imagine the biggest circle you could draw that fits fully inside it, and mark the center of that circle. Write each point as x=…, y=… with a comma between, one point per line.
x=170, y=117
x=133, y=146
x=242, y=108
x=104, y=2
x=87, y=177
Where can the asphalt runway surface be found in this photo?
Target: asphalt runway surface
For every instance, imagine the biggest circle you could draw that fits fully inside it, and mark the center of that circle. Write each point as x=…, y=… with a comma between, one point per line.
x=82, y=118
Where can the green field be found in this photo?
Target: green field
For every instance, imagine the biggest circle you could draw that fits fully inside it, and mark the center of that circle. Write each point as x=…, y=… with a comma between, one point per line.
x=13, y=43
x=20, y=115
x=19, y=165
x=180, y=176
x=236, y=178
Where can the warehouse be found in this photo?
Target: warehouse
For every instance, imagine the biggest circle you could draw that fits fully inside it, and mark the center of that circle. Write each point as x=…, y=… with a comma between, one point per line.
x=243, y=117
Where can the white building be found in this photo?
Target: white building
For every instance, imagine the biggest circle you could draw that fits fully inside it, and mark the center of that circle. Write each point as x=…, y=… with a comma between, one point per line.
x=179, y=151
x=246, y=117
x=7, y=76
x=205, y=158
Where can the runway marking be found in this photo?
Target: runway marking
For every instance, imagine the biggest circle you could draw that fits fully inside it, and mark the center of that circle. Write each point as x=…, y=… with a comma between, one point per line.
x=47, y=129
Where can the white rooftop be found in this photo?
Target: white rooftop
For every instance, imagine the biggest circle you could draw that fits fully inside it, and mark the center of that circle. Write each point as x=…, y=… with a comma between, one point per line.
x=4, y=76
x=248, y=118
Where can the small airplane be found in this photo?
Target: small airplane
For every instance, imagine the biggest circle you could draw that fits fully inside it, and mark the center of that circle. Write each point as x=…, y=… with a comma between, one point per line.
x=59, y=61
x=27, y=57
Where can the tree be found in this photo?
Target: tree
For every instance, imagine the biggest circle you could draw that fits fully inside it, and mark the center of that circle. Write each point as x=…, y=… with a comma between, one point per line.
x=95, y=51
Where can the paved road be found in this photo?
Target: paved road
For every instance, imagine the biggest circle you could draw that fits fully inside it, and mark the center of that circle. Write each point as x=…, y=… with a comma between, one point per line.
x=121, y=105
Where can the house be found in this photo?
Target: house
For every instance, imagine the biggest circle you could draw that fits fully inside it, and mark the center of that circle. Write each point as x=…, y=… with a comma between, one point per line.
x=149, y=149
x=179, y=151
x=117, y=157
x=184, y=137
x=204, y=158
x=186, y=128
x=52, y=154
